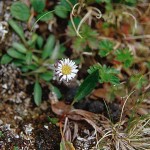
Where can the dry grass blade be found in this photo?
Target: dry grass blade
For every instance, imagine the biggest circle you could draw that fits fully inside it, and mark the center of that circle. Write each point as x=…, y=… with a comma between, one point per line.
x=137, y=138
x=119, y=135
x=124, y=105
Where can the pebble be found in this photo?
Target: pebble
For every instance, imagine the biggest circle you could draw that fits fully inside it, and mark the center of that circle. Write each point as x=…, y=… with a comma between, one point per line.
x=1, y=122
x=46, y=127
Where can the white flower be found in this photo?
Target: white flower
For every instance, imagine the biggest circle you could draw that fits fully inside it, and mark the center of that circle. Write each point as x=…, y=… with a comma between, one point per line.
x=65, y=70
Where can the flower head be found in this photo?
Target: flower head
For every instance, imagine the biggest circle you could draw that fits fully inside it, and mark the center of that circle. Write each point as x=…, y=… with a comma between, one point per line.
x=65, y=70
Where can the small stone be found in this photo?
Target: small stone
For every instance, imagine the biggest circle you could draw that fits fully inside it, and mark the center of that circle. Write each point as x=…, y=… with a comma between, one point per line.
x=4, y=86
x=1, y=122
x=28, y=129
x=46, y=127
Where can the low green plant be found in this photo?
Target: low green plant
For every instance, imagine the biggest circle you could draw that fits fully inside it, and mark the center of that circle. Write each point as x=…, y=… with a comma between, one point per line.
x=106, y=74
x=89, y=38
x=105, y=47
x=87, y=86
x=138, y=81
x=22, y=12
x=15, y=148
x=34, y=57
x=125, y=57
x=97, y=73
x=53, y=120
x=64, y=8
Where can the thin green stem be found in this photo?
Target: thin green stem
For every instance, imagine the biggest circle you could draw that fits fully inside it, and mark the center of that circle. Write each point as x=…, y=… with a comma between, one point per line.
x=40, y=19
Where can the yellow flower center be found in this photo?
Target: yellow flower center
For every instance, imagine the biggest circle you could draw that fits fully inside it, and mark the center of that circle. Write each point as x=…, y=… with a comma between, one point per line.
x=66, y=70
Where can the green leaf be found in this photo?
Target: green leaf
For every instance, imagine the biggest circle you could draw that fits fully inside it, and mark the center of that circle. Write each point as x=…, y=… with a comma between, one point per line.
x=36, y=59
x=131, y=2
x=29, y=57
x=61, y=11
x=48, y=48
x=17, y=29
x=105, y=47
x=89, y=38
x=18, y=62
x=62, y=146
x=37, y=93
x=56, y=91
x=26, y=68
x=79, y=44
x=6, y=59
x=138, y=81
x=70, y=30
x=39, y=42
x=94, y=68
x=39, y=70
x=109, y=7
x=87, y=86
x=20, y=11
x=15, y=148
x=33, y=40
x=106, y=74
x=38, y=5
x=148, y=64
x=67, y=144
x=73, y=2
x=124, y=56
x=45, y=16
x=102, y=1
x=66, y=4
x=62, y=49
x=15, y=54
x=53, y=120
x=47, y=76
x=19, y=47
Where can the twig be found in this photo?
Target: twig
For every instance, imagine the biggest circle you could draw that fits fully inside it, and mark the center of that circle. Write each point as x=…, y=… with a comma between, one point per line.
x=137, y=37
